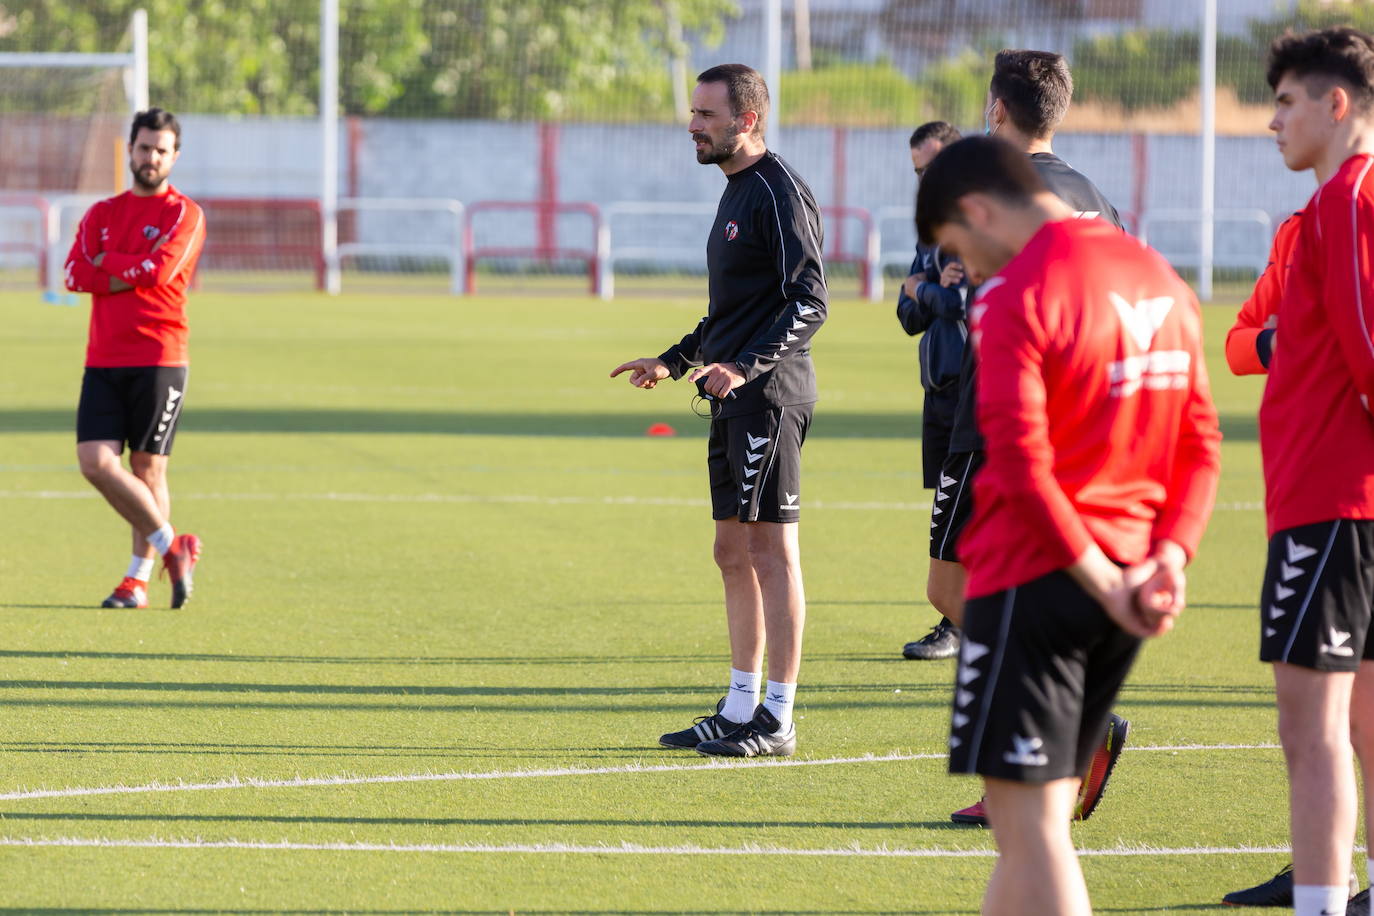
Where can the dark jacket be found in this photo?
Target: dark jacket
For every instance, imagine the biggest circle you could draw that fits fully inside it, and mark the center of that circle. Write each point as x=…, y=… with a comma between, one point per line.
x=939, y=314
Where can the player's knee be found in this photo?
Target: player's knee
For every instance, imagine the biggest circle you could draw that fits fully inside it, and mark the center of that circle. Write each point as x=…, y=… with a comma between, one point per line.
x=147, y=468
x=96, y=464
x=731, y=556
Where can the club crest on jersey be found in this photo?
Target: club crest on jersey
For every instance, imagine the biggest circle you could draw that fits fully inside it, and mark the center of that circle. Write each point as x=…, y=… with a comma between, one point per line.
x=151, y=232
x=731, y=231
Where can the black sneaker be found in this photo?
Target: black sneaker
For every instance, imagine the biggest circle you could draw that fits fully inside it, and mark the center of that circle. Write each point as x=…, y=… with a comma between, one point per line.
x=761, y=736
x=704, y=728
x=1359, y=904
x=941, y=642
x=1277, y=891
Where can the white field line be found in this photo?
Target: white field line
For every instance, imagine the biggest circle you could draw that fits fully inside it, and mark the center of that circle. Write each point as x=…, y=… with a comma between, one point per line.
x=633, y=768
x=513, y=499
x=633, y=849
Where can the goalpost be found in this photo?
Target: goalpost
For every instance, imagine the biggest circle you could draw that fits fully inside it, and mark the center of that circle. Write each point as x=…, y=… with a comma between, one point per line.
x=68, y=112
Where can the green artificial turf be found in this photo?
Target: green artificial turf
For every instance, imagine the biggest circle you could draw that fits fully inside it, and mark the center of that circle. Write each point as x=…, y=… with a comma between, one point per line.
x=438, y=541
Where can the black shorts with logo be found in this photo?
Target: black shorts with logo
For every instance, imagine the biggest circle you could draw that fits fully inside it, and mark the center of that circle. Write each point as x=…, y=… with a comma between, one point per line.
x=1040, y=666
x=754, y=463
x=1318, y=595
x=139, y=405
x=953, y=503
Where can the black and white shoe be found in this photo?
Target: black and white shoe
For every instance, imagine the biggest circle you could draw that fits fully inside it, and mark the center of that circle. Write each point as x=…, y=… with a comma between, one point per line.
x=705, y=728
x=941, y=642
x=761, y=736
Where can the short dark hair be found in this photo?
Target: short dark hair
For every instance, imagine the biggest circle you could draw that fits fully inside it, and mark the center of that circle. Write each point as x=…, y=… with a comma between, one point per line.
x=1336, y=55
x=1035, y=88
x=934, y=130
x=155, y=119
x=746, y=89
x=986, y=165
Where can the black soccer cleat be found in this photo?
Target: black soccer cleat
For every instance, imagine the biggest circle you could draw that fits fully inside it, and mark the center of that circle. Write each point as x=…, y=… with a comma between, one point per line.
x=941, y=642
x=1359, y=904
x=761, y=736
x=1277, y=891
x=704, y=728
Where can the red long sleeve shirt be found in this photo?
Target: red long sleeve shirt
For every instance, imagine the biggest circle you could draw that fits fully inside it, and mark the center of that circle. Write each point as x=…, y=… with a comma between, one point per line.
x=151, y=243
x=1260, y=312
x=1094, y=403
x=1316, y=431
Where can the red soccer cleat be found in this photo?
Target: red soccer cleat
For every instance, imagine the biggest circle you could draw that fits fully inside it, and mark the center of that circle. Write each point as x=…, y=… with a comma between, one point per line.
x=129, y=593
x=1100, y=770
x=178, y=563
x=974, y=814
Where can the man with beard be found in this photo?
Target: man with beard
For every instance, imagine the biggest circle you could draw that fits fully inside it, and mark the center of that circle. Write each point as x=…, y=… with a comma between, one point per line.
x=136, y=253
x=750, y=356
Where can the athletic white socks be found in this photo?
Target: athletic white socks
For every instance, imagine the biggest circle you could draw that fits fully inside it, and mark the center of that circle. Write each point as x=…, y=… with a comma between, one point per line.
x=778, y=700
x=743, y=695
x=140, y=568
x=161, y=539
x=1319, y=900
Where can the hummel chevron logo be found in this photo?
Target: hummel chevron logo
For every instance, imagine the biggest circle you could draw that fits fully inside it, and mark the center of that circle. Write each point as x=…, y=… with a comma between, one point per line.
x=937, y=511
x=750, y=472
x=741, y=686
x=791, y=337
x=954, y=742
x=798, y=324
x=791, y=498
x=1338, y=646
x=1026, y=752
x=934, y=525
x=1275, y=612
x=947, y=481
x=1269, y=631
x=805, y=311
x=968, y=675
x=971, y=651
x=1142, y=319
x=782, y=347
x=1299, y=552
x=753, y=457
x=941, y=496
x=1283, y=592
x=1287, y=572
x=776, y=697
x=756, y=442
x=960, y=720
x=173, y=394
x=747, y=487
x=963, y=697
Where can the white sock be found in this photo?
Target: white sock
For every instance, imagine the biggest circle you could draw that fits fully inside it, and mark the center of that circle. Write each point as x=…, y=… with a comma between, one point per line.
x=1319, y=899
x=743, y=695
x=778, y=700
x=140, y=568
x=161, y=539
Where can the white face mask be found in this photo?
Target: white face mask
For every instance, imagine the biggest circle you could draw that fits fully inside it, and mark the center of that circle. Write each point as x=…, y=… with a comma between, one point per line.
x=988, y=129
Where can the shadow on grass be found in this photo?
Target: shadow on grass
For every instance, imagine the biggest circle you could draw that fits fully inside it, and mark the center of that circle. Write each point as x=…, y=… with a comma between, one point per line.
x=828, y=423
x=521, y=911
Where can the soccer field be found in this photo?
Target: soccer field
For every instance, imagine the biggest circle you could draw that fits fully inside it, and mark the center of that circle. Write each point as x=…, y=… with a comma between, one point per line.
x=451, y=595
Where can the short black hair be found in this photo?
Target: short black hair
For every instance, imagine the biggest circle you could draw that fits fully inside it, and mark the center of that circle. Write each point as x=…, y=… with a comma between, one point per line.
x=1336, y=55
x=746, y=89
x=934, y=130
x=155, y=119
x=1035, y=88
x=986, y=165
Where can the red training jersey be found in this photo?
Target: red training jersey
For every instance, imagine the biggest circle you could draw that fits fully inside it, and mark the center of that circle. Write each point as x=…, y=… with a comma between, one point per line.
x=151, y=243
x=1261, y=311
x=1094, y=403
x=1316, y=431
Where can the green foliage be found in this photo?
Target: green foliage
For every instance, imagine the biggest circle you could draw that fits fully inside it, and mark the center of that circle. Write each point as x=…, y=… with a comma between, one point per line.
x=849, y=94
x=509, y=59
x=1135, y=70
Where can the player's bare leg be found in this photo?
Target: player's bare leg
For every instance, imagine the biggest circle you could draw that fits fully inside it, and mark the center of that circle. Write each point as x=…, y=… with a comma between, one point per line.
x=743, y=599
x=126, y=493
x=1362, y=733
x=945, y=589
x=776, y=558
x=152, y=470
x=1037, y=867
x=1314, y=728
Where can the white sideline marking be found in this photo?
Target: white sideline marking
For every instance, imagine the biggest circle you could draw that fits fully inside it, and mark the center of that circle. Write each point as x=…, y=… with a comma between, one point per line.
x=515, y=498
x=634, y=849
x=314, y=781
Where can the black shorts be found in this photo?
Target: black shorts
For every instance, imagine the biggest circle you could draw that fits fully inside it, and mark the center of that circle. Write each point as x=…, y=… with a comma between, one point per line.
x=755, y=464
x=953, y=503
x=1040, y=666
x=937, y=423
x=139, y=405
x=1318, y=595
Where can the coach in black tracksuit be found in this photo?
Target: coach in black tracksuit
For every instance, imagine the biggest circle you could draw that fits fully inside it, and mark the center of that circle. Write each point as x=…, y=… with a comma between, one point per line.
x=751, y=357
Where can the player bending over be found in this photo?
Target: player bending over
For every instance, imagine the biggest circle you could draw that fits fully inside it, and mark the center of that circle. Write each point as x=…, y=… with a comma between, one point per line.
x=752, y=358
x=136, y=253
x=1100, y=473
